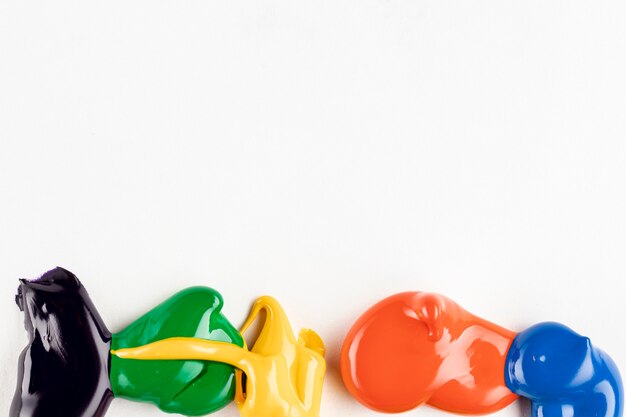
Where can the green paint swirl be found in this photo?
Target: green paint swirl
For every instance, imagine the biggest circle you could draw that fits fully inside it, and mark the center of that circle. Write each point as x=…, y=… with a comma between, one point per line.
x=177, y=386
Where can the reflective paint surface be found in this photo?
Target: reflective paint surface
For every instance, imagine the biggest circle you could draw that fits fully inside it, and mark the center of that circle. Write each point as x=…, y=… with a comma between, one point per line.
x=64, y=369
x=283, y=375
x=178, y=386
x=409, y=349
x=563, y=374
x=414, y=348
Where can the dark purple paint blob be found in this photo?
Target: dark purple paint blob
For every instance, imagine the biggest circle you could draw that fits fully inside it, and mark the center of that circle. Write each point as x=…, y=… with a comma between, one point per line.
x=64, y=370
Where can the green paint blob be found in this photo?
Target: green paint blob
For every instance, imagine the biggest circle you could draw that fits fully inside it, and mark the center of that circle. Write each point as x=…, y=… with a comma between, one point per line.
x=178, y=386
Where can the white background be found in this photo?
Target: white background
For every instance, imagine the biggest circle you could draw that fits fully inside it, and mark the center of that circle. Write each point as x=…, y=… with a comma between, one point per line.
x=329, y=153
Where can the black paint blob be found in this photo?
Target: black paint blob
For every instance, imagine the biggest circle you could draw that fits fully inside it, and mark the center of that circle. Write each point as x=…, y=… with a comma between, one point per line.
x=64, y=370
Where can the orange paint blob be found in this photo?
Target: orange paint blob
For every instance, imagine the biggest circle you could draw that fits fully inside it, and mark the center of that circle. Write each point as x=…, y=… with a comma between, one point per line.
x=414, y=348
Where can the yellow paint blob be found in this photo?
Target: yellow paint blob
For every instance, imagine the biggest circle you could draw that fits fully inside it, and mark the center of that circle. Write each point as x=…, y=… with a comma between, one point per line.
x=284, y=376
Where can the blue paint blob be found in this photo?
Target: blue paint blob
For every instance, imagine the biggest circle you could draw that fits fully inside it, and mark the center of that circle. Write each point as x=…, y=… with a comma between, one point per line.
x=563, y=374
